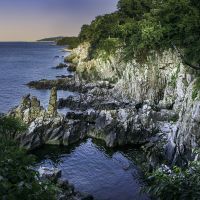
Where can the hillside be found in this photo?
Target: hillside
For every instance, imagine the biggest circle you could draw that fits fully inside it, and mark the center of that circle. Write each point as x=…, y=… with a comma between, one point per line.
x=71, y=42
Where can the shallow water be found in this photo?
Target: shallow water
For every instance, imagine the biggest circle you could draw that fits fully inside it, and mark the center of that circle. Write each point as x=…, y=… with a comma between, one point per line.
x=106, y=174
x=22, y=62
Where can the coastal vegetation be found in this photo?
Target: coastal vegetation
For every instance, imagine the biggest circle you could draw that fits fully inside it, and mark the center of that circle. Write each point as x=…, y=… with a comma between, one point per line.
x=139, y=27
x=71, y=42
x=17, y=179
x=176, y=182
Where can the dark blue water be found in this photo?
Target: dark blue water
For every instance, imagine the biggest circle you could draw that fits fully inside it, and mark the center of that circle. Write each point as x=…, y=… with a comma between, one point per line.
x=22, y=62
x=94, y=169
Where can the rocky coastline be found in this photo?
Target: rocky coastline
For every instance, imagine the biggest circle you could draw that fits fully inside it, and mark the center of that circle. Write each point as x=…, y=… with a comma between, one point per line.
x=96, y=113
x=152, y=107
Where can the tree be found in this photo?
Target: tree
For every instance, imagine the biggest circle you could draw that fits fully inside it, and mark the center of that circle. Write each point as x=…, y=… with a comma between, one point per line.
x=149, y=25
x=134, y=9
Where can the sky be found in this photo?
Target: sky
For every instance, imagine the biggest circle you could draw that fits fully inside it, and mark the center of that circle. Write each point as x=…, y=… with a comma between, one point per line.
x=30, y=20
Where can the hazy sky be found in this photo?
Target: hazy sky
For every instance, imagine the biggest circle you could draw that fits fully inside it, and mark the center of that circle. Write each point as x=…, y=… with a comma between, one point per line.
x=25, y=20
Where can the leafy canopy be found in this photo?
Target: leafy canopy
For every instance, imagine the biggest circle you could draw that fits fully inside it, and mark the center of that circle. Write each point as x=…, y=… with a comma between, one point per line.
x=143, y=26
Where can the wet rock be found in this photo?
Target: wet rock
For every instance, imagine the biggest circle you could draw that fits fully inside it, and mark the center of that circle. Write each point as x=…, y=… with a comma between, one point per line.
x=65, y=190
x=64, y=184
x=65, y=76
x=61, y=66
x=89, y=100
x=69, y=83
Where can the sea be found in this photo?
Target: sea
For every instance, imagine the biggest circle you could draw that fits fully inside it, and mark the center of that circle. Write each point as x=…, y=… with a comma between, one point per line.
x=22, y=62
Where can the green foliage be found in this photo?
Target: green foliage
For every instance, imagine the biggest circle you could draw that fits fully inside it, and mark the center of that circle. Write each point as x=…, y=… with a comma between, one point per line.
x=174, y=77
x=181, y=23
x=70, y=58
x=149, y=25
x=133, y=8
x=17, y=179
x=10, y=126
x=85, y=33
x=196, y=89
x=72, y=42
x=175, y=183
x=109, y=45
x=101, y=32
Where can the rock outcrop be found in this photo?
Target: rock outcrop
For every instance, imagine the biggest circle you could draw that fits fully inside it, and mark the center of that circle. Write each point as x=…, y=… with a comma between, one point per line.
x=52, y=108
x=155, y=104
x=164, y=81
x=116, y=123
x=64, y=190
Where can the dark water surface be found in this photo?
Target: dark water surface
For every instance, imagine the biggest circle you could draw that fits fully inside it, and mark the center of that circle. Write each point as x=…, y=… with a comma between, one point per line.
x=22, y=62
x=106, y=174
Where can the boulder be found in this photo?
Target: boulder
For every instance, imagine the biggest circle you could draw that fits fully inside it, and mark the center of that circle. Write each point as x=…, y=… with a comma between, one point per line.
x=52, y=174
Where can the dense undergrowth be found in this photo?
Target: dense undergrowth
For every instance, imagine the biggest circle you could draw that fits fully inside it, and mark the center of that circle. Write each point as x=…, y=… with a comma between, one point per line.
x=17, y=179
x=175, y=183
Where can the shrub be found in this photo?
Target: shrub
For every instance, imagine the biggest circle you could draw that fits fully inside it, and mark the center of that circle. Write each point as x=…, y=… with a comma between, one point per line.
x=17, y=179
x=175, y=183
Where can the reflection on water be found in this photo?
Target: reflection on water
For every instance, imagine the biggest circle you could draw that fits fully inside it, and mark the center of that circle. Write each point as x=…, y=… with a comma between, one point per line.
x=106, y=174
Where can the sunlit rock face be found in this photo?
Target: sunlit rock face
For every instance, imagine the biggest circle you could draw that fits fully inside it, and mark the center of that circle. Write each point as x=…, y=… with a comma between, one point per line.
x=52, y=108
x=28, y=110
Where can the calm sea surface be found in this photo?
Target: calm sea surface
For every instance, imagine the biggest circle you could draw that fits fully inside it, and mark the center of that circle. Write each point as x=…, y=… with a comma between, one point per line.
x=22, y=62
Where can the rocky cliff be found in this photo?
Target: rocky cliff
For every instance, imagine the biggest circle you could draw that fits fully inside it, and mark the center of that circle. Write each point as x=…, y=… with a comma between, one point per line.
x=156, y=105
x=163, y=83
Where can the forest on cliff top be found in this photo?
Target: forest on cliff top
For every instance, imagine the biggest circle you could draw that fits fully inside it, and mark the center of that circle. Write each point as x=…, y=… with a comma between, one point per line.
x=139, y=27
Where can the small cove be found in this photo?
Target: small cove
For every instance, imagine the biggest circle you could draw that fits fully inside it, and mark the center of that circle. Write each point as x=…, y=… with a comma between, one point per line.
x=92, y=168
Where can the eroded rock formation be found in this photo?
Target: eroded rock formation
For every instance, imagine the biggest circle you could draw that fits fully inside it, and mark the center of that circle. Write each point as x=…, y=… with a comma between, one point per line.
x=52, y=108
